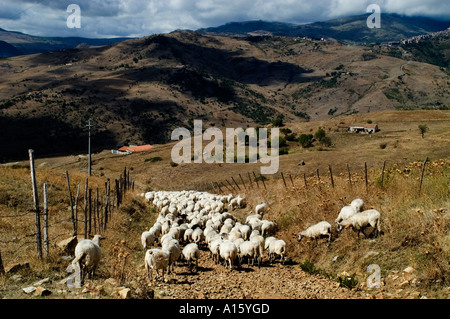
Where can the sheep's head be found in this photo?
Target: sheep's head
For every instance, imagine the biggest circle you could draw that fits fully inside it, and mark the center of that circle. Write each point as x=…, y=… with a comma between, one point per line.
x=299, y=236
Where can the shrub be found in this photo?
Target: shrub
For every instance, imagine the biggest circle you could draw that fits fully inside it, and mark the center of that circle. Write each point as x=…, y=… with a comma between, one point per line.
x=153, y=159
x=306, y=140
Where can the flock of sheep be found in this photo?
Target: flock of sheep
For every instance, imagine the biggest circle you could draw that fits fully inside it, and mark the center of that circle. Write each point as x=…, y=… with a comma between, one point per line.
x=202, y=220
x=190, y=220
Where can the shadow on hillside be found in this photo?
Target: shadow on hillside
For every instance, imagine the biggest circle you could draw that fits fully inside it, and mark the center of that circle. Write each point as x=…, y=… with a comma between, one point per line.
x=226, y=64
x=48, y=137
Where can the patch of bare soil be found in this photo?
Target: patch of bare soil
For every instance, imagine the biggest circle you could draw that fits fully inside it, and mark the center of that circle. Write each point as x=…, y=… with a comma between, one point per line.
x=270, y=281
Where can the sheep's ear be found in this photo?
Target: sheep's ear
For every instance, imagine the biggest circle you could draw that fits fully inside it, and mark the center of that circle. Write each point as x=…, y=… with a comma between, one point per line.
x=347, y=226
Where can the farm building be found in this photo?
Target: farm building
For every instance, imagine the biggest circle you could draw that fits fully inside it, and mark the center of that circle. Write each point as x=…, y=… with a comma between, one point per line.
x=132, y=149
x=361, y=128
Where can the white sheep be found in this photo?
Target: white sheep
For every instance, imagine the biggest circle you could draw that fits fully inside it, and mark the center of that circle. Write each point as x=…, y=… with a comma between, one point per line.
x=191, y=253
x=268, y=227
x=344, y=213
x=245, y=230
x=248, y=249
x=87, y=256
x=358, y=203
x=261, y=209
x=321, y=229
x=277, y=247
x=360, y=221
x=198, y=236
x=156, y=259
x=148, y=238
x=228, y=251
x=259, y=240
x=173, y=249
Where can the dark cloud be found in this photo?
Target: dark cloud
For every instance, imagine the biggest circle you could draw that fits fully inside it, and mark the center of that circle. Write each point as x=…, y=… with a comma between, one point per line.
x=142, y=17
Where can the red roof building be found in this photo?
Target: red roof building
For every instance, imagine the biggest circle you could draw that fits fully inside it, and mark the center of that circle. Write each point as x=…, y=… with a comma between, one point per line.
x=133, y=149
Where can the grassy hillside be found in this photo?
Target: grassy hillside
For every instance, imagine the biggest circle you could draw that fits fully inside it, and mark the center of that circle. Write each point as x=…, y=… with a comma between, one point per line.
x=415, y=226
x=139, y=90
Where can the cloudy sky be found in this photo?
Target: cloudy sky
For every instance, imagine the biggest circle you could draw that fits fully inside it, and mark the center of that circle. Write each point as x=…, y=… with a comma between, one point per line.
x=136, y=18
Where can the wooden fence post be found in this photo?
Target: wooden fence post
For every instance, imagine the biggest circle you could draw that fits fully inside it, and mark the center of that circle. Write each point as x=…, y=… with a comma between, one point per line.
x=230, y=185
x=331, y=175
x=74, y=232
x=349, y=175
x=90, y=212
x=421, y=174
x=235, y=183
x=256, y=180
x=262, y=179
x=75, y=224
x=250, y=179
x=46, y=241
x=85, y=209
x=284, y=181
x=365, y=174
x=242, y=181
x=304, y=178
x=2, y=269
x=292, y=181
x=36, y=204
x=382, y=173
x=318, y=176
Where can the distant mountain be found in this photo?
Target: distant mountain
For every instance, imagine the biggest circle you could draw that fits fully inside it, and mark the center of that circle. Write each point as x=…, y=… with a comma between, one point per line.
x=394, y=27
x=28, y=44
x=7, y=50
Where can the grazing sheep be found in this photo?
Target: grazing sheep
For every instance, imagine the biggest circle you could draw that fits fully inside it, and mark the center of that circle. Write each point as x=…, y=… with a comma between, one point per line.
x=248, y=249
x=358, y=204
x=191, y=253
x=173, y=249
x=156, y=259
x=259, y=240
x=228, y=251
x=267, y=242
x=345, y=212
x=198, y=236
x=277, y=247
x=214, y=247
x=261, y=209
x=148, y=238
x=87, y=256
x=321, y=229
x=188, y=235
x=360, y=221
x=245, y=230
x=268, y=227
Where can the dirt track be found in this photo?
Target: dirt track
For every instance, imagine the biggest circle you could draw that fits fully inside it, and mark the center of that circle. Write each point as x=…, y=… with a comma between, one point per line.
x=276, y=281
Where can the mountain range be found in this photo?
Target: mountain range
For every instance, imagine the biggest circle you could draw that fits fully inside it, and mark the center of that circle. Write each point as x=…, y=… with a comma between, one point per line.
x=138, y=90
x=354, y=29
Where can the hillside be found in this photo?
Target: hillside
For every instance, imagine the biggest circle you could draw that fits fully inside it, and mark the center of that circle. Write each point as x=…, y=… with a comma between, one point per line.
x=28, y=44
x=415, y=227
x=139, y=90
x=353, y=29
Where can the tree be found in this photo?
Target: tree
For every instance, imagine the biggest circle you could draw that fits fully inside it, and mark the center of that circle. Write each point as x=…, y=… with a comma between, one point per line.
x=306, y=140
x=423, y=129
x=320, y=134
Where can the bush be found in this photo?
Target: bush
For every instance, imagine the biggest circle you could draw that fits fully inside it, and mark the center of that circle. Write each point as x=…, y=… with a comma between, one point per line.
x=153, y=159
x=306, y=140
x=349, y=282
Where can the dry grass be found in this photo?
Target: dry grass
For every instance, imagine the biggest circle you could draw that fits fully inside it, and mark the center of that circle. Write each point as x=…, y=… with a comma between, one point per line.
x=416, y=230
